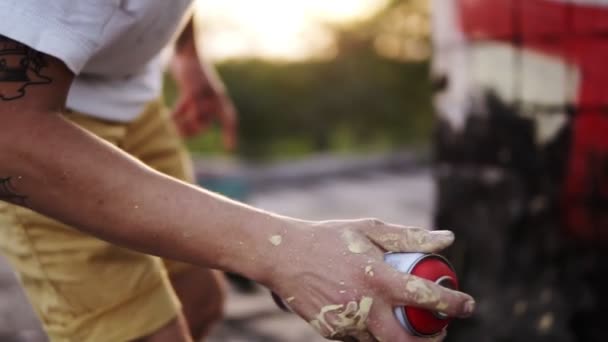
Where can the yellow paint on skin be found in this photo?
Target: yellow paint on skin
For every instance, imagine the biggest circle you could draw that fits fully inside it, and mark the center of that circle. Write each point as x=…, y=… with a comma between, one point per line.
x=441, y=306
x=276, y=240
x=425, y=240
x=390, y=237
x=391, y=242
x=355, y=243
x=416, y=238
x=420, y=236
x=339, y=321
x=423, y=294
x=321, y=318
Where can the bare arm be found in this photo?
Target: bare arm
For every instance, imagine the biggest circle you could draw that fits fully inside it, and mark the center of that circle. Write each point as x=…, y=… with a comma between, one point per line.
x=186, y=48
x=54, y=167
x=58, y=169
x=203, y=97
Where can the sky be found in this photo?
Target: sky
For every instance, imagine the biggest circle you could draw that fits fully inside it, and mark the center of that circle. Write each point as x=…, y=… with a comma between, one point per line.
x=277, y=29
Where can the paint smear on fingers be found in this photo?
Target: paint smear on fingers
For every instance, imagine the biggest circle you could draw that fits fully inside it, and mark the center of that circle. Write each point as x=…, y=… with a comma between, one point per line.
x=336, y=321
x=276, y=240
x=422, y=293
x=412, y=239
x=356, y=243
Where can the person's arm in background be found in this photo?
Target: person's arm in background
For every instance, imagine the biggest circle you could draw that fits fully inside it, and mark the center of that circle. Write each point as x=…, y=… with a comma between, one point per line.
x=55, y=168
x=202, y=95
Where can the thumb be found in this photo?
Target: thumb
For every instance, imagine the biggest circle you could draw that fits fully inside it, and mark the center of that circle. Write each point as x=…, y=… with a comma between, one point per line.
x=395, y=238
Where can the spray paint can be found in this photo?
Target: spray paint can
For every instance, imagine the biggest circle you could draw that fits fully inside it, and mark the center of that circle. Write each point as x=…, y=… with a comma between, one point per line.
x=433, y=267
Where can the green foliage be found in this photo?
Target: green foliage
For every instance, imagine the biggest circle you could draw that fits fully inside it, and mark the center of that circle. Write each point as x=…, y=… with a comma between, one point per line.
x=358, y=101
x=361, y=102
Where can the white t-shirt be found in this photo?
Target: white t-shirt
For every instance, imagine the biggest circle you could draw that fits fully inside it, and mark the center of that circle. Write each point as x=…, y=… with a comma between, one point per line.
x=113, y=46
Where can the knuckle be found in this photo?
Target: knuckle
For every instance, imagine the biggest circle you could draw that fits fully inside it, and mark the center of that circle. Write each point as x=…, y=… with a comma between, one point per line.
x=385, y=284
x=374, y=222
x=380, y=283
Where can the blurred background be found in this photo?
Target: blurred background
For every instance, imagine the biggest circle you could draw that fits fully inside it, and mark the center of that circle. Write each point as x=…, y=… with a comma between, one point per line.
x=313, y=77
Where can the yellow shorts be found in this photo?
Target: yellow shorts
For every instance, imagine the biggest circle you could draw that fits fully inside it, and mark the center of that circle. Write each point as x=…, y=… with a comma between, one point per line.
x=85, y=289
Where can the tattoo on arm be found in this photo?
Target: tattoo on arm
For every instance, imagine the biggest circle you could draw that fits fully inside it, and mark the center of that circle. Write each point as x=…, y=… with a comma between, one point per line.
x=8, y=192
x=20, y=67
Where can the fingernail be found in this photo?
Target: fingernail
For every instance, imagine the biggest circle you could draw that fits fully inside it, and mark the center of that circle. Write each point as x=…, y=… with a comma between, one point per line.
x=469, y=307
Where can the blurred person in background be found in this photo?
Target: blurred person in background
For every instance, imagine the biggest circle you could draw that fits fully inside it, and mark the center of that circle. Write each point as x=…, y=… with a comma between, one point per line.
x=92, y=172
x=202, y=95
x=522, y=163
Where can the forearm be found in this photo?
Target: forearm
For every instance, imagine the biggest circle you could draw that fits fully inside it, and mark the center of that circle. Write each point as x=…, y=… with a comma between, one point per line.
x=186, y=42
x=186, y=51
x=78, y=179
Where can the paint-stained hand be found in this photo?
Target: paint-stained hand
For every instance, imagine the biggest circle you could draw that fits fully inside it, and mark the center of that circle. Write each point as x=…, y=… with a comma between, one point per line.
x=333, y=274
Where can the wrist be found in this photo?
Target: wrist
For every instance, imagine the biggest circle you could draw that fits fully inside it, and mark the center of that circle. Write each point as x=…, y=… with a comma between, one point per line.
x=276, y=239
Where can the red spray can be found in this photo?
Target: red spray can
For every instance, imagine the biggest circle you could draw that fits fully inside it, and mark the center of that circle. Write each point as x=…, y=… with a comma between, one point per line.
x=433, y=267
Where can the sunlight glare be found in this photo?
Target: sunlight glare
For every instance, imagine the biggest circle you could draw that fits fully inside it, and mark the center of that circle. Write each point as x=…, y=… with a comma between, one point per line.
x=276, y=29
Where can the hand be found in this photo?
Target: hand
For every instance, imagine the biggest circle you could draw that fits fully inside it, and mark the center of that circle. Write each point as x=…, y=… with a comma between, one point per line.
x=202, y=100
x=334, y=276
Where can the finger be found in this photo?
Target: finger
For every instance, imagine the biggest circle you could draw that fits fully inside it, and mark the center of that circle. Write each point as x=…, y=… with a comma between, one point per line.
x=229, y=136
x=205, y=109
x=384, y=325
x=182, y=116
x=181, y=107
x=189, y=124
x=194, y=127
x=441, y=337
x=409, y=290
x=228, y=120
x=395, y=238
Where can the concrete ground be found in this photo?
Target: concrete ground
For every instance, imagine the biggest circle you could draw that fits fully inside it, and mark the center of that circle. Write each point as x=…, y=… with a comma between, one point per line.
x=397, y=197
